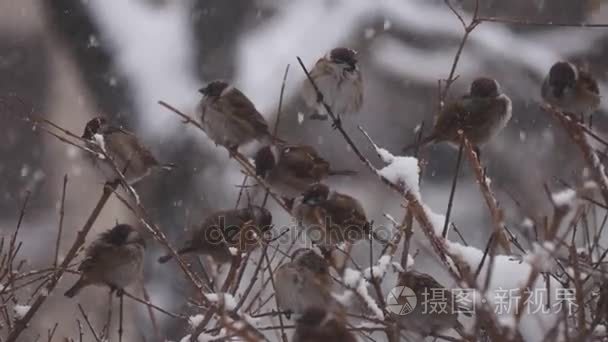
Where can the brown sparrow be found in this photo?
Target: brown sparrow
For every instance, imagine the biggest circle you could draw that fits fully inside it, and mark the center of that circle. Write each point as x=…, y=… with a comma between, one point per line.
x=224, y=229
x=435, y=309
x=228, y=117
x=303, y=283
x=481, y=115
x=114, y=259
x=128, y=155
x=338, y=77
x=330, y=218
x=571, y=89
x=318, y=324
x=291, y=169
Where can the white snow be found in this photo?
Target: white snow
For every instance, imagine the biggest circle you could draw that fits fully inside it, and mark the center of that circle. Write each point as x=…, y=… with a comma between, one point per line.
x=229, y=301
x=564, y=198
x=353, y=280
x=437, y=220
x=527, y=223
x=351, y=277
x=21, y=310
x=401, y=171
x=100, y=141
x=369, y=301
x=508, y=276
x=195, y=320
x=541, y=257
x=379, y=270
x=600, y=330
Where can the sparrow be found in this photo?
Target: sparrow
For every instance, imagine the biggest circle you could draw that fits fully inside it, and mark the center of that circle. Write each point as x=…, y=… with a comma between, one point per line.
x=291, y=169
x=435, y=310
x=229, y=118
x=303, y=283
x=122, y=147
x=339, y=79
x=224, y=229
x=318, y=324
x=114, y=259
x=571, y=89
x=330, y=218
x=481, y=115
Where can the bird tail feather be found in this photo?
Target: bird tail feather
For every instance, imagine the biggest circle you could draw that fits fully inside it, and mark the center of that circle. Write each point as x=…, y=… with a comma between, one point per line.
x=75, y=288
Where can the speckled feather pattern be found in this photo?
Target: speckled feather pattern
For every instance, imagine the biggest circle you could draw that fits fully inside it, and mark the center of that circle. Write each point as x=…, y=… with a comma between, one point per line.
x=231, y=119
x=342, y=89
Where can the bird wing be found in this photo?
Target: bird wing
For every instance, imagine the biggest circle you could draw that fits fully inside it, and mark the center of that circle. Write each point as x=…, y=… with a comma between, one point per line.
x=241, y=109
x=94, y=254
x=588, y=82
x=347, y=215
x=304, y=162
x=124, y=145
x=464, y=115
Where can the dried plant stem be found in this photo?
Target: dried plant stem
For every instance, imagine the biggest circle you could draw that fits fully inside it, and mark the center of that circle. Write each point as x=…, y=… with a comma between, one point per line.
x=484, y=185
x=61, y=215
x=578, y=136
x=278, y=120
x=88, y=321
x=22, y=323
x=517, y=21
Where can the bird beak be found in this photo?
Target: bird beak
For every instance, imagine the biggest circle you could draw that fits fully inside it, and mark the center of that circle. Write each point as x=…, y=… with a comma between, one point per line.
x=202, y=91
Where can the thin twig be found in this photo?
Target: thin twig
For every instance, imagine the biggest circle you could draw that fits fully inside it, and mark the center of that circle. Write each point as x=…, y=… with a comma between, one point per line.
x=61, y=215
x=517, y=21
x=22, y=323
x=277, y=121
x=86, y=319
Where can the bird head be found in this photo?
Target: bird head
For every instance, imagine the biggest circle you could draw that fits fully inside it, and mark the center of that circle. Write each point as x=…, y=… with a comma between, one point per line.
x=94, y=126
x=484, y=87
x=345, y=57
x=214, y=89
x=563, y=75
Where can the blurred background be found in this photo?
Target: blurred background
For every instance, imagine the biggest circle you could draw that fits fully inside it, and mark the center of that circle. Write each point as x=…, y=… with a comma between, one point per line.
x=70, y=60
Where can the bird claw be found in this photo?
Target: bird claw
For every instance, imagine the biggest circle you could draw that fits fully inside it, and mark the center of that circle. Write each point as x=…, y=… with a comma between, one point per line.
x=319, y=97
x=232, y=151
x=337, y=123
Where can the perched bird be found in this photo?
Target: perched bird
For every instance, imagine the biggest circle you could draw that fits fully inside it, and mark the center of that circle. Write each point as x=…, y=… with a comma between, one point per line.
x=303, y=283
x=339, y=79
x=224, y=229
x=436, y=308
x=571, y=90
x=291, y=169
x=127, y=154
x=317, y=324
x=481, y=115
x=228, y=117
x=330, y=218
x=114, y=259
